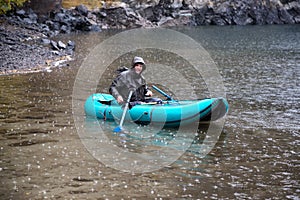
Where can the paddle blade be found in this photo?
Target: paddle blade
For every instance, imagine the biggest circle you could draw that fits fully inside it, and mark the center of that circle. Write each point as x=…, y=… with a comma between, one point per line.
x=118, y=129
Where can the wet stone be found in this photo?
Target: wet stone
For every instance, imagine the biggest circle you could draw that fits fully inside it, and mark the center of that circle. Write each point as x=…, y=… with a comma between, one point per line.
x=61, y=45
x=82, y=10
x=21, y=12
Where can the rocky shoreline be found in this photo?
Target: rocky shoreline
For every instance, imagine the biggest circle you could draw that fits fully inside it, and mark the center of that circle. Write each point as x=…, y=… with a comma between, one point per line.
x=24, y=32
x=25, y=50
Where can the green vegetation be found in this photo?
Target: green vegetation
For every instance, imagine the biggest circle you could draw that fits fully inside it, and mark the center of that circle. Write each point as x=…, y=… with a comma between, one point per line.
x=7, y=5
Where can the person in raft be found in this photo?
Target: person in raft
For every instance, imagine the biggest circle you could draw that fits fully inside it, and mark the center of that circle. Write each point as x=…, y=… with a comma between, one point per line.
x=132, y=79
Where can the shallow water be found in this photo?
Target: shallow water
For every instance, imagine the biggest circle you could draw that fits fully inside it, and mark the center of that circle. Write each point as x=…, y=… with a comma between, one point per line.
x=255, y=157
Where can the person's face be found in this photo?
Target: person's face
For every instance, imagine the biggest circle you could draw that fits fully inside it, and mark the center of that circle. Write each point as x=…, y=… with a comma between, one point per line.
x=138, y=68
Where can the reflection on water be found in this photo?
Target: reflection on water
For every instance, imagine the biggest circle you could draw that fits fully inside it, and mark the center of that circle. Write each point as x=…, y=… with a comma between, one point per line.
x=146, y=135
x=256, y=156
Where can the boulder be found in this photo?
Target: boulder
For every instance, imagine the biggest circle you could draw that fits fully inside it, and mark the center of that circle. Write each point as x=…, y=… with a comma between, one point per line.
x=45, y=41
x=272, y=16
x=54, y=45
x=61, y=45
x=21, y=13
x=285, y=16
x=82, y=9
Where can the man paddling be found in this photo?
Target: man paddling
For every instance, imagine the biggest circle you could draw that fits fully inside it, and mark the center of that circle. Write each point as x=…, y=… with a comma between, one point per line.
x=132, y=79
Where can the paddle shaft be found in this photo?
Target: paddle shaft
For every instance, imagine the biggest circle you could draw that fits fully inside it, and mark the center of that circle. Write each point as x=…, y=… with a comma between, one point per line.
x=125, y=109
x=162, y=92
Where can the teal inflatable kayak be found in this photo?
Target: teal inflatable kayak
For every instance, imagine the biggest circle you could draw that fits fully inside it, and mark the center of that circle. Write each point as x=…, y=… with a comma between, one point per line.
x=169, y=113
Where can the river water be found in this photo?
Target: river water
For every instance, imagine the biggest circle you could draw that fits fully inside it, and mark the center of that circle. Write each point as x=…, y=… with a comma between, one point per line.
x=255, y=157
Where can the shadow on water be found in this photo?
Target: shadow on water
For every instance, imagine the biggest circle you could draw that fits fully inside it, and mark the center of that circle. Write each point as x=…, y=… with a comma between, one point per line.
x=138, y=138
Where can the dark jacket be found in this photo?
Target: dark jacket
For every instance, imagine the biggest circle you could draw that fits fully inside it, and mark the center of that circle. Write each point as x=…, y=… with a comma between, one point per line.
x=127, y=80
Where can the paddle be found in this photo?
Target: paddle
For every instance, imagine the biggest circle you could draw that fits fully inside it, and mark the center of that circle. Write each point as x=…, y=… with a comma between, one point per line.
x=169, y=98
x=119, y=128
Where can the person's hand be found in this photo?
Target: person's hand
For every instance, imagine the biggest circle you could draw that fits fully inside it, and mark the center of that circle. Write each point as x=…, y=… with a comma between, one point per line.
x=120, y=99
x=149, y=93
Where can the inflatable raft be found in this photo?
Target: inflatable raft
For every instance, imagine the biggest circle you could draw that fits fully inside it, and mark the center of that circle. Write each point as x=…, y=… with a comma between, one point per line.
x=169, y=113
